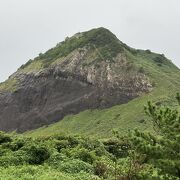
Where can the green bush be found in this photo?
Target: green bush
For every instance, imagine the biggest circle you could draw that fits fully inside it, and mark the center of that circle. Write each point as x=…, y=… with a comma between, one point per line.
x=15, y=145
x=76, y=166
x=160, y=60
x=37, y=154
x=4, y=138
x=84, y=155
x=13, y=159
x=101, y=169
x=73, y=141
x=117, y=147
x=62, y=144
x=56, y=159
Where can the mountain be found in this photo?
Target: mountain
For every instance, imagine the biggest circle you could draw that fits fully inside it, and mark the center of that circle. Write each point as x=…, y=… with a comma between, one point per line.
x=92, y=71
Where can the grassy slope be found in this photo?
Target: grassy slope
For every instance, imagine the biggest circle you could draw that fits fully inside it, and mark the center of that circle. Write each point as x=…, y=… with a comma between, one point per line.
x=9, y=85
x=100, y=123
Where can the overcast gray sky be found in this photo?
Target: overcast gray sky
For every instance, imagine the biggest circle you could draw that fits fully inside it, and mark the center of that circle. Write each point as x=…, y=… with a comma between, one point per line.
x=28, y=27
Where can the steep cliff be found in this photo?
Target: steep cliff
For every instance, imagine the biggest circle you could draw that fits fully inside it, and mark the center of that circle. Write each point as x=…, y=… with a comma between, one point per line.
x=87, y=71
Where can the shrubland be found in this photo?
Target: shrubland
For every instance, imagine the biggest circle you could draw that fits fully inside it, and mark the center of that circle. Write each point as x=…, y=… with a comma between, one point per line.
x=138, y=155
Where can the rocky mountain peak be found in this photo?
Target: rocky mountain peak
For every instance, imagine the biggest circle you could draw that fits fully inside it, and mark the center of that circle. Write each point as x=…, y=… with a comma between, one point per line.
x=89, y=70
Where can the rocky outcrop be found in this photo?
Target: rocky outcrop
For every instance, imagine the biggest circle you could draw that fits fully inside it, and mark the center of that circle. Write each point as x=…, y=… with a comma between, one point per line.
x=68, y=86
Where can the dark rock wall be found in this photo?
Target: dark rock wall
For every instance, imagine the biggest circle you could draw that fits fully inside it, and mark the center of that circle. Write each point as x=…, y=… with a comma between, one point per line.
x=68, y=87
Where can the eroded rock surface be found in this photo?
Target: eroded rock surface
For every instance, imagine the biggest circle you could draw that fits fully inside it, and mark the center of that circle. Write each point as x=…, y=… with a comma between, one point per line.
x=69, y=85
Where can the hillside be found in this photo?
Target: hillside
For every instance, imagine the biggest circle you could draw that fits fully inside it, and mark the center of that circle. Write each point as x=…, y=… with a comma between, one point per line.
x=137, y=155
x=100, y=123
x=91, y=70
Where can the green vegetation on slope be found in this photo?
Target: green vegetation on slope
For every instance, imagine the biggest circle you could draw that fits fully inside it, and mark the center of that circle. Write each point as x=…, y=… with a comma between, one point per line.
x=9, y=85
x=165, y=79
x=139, y=155
x=102, y=39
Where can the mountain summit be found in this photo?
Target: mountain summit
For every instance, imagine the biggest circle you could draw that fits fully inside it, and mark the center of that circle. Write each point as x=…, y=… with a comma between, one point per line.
x=90, y=70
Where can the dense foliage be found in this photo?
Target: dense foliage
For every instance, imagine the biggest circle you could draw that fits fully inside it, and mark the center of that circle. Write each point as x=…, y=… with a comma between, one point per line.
x=141, y=155
x=161, y=151
x=57, y=157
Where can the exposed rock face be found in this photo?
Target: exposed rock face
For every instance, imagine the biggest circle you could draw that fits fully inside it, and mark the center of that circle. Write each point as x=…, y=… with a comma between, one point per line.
x=68, y=86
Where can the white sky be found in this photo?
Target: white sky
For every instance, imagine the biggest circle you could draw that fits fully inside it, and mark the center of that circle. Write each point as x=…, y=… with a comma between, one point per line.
x=28, y=27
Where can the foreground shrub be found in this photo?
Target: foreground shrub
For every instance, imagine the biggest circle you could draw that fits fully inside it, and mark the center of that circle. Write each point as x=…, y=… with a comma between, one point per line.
x=117, y=147
x=101, y=169
x=62, y=144
x=4, y=138
x=76, y=166
x=37, y=155
x=15, y=145
x=84, y=155
x=163, y=150
x=56, y=160
x=13, y=159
